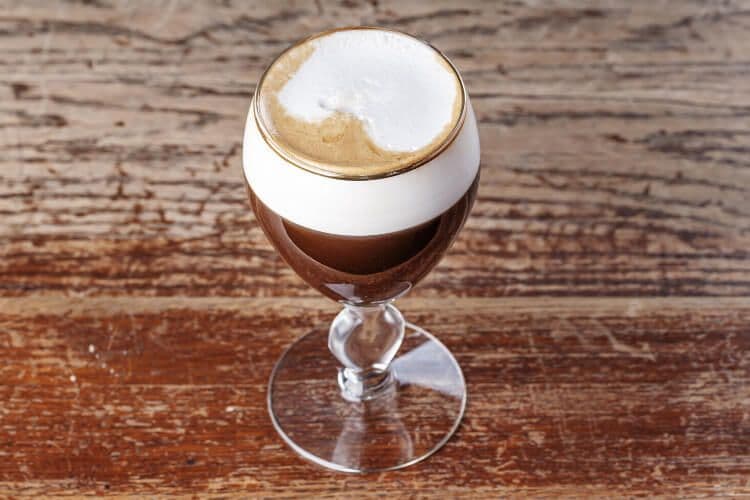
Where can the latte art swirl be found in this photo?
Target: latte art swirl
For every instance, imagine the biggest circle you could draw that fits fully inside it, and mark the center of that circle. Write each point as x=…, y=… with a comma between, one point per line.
x=360, y=102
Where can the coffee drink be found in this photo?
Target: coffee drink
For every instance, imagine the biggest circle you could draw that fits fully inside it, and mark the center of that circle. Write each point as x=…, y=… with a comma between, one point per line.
x=364, y=269
x=361, y=161
x=361, y=157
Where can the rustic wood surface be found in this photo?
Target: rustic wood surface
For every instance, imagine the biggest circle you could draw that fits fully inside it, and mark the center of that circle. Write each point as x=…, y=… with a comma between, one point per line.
x=598, y=298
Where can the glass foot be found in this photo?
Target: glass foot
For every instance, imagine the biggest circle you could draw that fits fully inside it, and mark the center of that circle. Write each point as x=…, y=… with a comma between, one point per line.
x=414, y=414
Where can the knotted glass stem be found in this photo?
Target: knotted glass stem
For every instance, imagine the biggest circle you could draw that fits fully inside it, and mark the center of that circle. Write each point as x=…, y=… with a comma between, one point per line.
x=365, y=339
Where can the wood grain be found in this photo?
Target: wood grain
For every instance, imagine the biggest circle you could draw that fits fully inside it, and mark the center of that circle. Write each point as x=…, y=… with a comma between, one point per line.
x=566, y=395
x=597, y=298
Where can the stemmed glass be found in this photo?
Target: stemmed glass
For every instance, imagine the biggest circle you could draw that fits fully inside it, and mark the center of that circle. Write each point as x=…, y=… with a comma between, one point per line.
x=370, y=391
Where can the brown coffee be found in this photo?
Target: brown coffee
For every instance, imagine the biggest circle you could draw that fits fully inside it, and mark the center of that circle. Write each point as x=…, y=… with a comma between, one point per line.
x=364, y=269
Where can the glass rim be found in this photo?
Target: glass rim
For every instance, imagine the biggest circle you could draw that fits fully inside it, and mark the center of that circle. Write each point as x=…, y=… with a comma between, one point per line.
x=319, y=167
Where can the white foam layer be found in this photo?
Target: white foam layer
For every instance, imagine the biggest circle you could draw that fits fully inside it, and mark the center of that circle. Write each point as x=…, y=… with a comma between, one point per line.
x=396, y=85
x=361, y=208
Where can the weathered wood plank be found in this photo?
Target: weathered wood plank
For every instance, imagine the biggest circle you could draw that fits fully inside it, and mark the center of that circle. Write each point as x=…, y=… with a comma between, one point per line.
x=168, y=395
x=615, y=141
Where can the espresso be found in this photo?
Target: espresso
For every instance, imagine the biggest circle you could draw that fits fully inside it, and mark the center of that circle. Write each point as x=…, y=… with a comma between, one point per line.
x=364, y=269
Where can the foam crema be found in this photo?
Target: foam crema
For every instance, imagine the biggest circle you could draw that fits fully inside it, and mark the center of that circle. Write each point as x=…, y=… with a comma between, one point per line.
x=360, y=104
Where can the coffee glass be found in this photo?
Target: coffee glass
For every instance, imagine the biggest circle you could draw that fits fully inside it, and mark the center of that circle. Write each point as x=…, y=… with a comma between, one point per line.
x=369, y=391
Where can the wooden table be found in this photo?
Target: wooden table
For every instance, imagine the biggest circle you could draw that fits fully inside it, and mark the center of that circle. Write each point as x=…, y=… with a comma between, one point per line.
x=597, y=298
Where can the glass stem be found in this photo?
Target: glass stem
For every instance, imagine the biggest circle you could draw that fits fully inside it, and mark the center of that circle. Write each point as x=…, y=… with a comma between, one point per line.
x=365, y=339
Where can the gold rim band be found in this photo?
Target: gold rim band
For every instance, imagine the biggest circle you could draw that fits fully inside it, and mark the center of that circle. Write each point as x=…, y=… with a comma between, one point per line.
x=319, y=167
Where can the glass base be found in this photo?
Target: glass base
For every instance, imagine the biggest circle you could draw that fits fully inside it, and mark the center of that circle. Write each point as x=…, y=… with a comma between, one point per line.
x=414, y=414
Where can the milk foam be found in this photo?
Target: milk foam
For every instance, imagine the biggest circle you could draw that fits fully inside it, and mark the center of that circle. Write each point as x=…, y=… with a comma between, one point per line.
x=398, y=87
x=360, y=102
x=403, y=93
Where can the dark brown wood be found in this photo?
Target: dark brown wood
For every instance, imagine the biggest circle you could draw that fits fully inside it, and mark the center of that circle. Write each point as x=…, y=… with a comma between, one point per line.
x=598, y=298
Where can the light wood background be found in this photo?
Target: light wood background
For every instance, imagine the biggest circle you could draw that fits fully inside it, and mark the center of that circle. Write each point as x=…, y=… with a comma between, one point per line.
x=598, y=298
